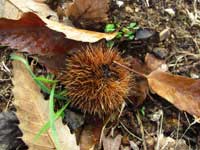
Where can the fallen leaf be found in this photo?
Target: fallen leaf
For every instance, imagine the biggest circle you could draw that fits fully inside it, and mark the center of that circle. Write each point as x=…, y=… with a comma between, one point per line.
x=30, y=34
x=137, y=65
x=32, y=111
x=182, y=92
x=78, y=34
x=91, y=133
x=139, y=91
x=13, y=9
x=110, y=143
x=153, y=63
x=168, y=143
x=87, y=13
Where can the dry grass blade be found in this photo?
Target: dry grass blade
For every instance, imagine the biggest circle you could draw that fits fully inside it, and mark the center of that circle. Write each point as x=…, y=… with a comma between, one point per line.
x=32, y=111
x=181, y=91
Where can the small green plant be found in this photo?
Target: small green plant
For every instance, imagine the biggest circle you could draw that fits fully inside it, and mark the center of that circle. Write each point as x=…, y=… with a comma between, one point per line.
x=127, y=32
x=110, y=28
x=38, y=80
x=142, y=111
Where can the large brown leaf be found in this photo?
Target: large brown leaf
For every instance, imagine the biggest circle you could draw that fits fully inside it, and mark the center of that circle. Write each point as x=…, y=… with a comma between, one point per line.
x=181, y=91
x=32, y=111
x=88, y=12
x=30, y=34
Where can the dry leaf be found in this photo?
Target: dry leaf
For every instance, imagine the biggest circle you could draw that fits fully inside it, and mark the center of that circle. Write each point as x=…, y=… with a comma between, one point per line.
x=181, y=91
x=78, y=34
x=153, y=63
x=168, y=143
x=32, y=111
x=87, y=13
x=14, y=9
x=110, y=143
x=30, y=34
x=90, y=135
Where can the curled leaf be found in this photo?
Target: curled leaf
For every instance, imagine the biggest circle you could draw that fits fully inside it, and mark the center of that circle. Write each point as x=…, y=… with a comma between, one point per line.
x=30, y=34
x=182, y=92
x=86, y=13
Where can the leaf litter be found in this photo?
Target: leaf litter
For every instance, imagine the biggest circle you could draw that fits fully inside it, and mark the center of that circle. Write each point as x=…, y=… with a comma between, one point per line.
x=31, y=107
x=151, y=76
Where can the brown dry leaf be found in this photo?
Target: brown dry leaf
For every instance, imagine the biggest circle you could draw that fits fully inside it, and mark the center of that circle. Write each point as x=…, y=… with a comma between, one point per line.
x=181, y=91
x=90, y=135
x=78, y=34
x=14, y=9
x=153, y=63
x=88, y=12
x=32, y=111
x=30, y=34
x=168, y=143
x=110, y=143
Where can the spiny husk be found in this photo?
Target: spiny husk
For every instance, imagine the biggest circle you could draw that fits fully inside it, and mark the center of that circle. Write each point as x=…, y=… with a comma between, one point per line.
x=94, y=83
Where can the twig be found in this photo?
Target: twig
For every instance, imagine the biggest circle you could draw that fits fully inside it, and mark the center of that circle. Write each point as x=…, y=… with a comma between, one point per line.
x=159, y=131
x=130, y=132
x=178, y=130
x=4, y=80
x=142, y=131
x=129, y=69
x=190, y=125
x=5, y=68
x=102, y=130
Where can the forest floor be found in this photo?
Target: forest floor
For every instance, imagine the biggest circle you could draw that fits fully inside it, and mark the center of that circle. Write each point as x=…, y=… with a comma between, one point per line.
x=178, y=47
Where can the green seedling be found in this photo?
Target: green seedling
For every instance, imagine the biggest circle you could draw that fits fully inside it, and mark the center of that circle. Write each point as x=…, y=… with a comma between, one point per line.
x=40, y=83
x=52, y=118
x=133, y=25
x=127, y=32
x=110, y=44
x=46, y=126
x=142, y=110
x=52, y=115
x=110, y=28
x=45, y=80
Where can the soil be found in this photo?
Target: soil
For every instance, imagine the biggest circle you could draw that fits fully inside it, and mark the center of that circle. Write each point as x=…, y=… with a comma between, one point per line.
x=180, y=50
x=6, y=96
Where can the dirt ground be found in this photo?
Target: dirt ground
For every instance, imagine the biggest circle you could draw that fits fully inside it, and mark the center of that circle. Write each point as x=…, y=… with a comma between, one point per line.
x=179, y=48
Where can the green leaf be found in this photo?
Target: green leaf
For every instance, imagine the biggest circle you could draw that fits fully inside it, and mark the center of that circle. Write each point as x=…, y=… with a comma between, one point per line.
x=131, y=37
x=51, y=118
x=125, y=30
x=110, y=44
x=39, y=83
x=46, y=126
x=110, y=28
x=130, y=33
x=46, y=80
x=142, y=110
x=136, y=28
x=119, y=35
x=132, y=25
